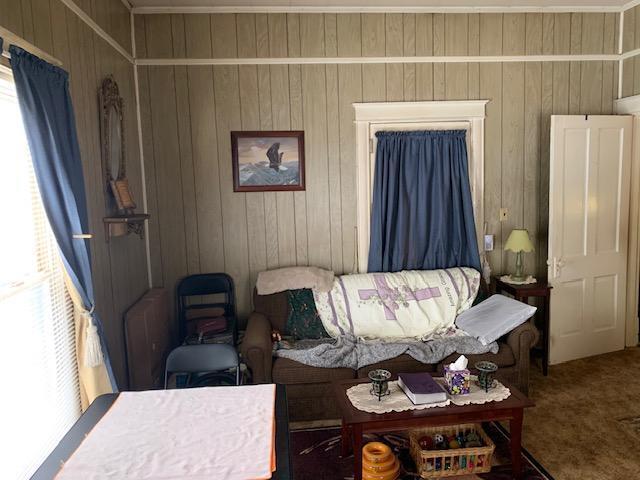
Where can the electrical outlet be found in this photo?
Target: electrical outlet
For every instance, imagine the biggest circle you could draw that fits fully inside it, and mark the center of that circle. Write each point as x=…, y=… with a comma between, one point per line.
x=488, y=243
x=503, y=214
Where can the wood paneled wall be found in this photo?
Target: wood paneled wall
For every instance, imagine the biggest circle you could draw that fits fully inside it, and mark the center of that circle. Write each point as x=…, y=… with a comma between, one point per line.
x=119, y=266
x=631, y=41
x=199, y=224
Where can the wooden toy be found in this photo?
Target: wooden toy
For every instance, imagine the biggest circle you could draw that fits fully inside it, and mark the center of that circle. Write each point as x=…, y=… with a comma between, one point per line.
x=379, y=462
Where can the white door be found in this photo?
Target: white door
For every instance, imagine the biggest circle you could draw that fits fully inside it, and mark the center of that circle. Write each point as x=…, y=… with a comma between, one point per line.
x=588, y=229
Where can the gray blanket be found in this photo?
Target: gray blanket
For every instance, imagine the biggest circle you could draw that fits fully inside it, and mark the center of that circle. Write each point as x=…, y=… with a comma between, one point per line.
x=351, y=352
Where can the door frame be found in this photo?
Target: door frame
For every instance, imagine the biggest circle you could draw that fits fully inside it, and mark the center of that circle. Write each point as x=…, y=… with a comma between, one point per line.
x=631, y=106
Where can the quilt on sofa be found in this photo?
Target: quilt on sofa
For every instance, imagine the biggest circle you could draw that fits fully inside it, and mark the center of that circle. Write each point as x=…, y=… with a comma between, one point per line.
x=408, y=304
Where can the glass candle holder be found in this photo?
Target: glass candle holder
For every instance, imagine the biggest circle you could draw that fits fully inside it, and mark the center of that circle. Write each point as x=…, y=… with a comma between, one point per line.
x=379, y=382
x=486, y=373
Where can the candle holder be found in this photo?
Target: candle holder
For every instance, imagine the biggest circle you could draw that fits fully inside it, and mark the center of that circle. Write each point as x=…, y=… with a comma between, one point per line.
x=379, y=382
x=486, y=372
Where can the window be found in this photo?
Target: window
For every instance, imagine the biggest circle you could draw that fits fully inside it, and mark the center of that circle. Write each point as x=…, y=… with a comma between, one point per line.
x=439, y=115
x=40, y=397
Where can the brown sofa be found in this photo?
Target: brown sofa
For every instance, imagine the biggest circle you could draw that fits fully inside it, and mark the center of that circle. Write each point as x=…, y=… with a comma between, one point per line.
x=308, y=388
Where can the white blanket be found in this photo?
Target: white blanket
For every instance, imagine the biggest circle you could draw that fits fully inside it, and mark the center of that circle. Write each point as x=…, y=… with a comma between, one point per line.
x=407, y=304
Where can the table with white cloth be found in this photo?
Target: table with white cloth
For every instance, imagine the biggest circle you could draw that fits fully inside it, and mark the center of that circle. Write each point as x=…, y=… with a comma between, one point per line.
x=104, y=423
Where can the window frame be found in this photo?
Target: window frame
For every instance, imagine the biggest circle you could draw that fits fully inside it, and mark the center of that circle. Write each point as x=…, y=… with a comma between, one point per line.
x=59, y=327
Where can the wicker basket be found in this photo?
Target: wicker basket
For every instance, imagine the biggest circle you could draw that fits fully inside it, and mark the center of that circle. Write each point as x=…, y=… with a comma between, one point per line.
x=455, y=461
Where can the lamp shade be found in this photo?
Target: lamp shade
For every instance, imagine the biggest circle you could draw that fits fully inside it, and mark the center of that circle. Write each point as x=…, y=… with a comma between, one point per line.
x=519, y=241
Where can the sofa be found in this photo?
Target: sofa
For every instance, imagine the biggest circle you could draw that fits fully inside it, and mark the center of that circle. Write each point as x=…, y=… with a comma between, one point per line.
x=309, y=391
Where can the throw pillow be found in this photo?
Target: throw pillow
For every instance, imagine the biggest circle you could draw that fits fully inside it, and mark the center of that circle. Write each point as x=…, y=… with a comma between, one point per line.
x=303, y=321
x=494, y=317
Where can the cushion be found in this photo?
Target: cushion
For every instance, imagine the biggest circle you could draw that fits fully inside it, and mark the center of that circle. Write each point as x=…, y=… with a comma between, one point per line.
x=402, y=364
x=303, y=321
x=292, y=278
x=504, y=358
x=275, y=307
x=290, y=372
x=496, y=316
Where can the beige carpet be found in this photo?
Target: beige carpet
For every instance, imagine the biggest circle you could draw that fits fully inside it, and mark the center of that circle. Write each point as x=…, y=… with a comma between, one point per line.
x=584, y=423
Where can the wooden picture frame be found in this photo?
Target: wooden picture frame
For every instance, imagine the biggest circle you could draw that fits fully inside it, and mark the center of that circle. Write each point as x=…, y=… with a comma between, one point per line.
x=122, y=195
x=259, y=165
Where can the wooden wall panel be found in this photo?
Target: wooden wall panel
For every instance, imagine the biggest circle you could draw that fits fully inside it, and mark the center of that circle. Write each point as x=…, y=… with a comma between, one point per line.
x=119, y=266
x=513, y=107
x=317, y=227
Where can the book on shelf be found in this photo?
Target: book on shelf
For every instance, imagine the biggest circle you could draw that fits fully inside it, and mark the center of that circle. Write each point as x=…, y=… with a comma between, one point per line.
x=421, y=388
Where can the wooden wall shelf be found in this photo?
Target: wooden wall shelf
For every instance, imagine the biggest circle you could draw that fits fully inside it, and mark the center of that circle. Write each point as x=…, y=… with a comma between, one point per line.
x=120, y=225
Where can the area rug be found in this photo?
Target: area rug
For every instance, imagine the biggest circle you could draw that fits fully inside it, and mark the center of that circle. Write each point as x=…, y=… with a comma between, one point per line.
x=315, y=455
x=631, y=425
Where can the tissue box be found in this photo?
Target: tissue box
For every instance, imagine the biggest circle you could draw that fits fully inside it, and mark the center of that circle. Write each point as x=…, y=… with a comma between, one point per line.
x=457, y=381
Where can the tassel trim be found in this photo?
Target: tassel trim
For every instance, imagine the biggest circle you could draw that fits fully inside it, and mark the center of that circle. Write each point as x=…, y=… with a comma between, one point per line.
x=92, y=349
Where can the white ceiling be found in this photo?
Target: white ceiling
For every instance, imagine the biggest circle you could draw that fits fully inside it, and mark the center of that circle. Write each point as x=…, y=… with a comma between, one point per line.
x=381, y=4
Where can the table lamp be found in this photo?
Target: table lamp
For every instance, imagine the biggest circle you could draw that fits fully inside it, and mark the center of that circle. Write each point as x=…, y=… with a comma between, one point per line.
x=519, y=242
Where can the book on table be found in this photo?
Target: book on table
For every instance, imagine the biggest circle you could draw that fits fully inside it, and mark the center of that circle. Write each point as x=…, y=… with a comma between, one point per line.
x=421, y=388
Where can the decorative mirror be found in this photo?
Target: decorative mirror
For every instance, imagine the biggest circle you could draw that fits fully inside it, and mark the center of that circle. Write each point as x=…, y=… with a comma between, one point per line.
x=125, y=220
x=111, y=128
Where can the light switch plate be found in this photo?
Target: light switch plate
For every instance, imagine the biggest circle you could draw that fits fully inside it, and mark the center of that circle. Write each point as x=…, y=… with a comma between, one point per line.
x=503, y=214
x=488, y=243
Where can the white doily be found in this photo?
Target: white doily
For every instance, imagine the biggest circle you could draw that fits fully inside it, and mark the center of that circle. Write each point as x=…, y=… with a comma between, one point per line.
x=397, y=401
x=527, y=281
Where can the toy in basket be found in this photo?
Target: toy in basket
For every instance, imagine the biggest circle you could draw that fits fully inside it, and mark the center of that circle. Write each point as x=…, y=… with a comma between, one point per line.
x=379, y=462
x=453, y=450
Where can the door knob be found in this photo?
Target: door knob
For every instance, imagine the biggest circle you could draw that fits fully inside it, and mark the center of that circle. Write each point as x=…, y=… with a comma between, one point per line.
x=556, y=265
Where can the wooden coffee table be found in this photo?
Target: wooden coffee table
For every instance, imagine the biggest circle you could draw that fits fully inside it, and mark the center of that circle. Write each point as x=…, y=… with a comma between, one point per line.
x=356, y=422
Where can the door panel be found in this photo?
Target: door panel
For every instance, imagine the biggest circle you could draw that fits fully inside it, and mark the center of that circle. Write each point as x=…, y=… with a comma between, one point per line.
x=608, y=206
x=588, y=227
x=574, y=178
x=605, y=290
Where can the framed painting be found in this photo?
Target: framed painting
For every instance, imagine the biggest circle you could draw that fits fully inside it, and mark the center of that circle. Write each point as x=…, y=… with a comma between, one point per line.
x=268, y=161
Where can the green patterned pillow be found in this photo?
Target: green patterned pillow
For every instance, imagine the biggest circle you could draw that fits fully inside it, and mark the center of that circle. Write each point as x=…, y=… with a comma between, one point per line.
x=303, y=321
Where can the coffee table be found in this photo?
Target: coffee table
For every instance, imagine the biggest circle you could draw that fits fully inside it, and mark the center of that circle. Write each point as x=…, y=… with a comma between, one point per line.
x=356, y=422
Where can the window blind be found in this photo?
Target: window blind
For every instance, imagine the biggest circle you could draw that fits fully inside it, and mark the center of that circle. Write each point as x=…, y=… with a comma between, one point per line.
x=40, y=398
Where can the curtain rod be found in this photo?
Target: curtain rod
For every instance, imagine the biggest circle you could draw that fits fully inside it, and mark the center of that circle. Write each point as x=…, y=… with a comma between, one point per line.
x=10, y=38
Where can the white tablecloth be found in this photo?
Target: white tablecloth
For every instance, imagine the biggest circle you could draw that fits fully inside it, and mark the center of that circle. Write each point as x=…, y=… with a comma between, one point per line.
x=190, y=434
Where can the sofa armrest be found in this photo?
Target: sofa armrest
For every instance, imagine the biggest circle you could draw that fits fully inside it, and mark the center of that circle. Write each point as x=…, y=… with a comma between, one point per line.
x=522, y=340
x=256, y=347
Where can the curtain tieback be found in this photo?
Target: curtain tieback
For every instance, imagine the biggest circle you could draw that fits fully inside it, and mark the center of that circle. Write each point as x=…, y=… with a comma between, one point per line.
x=92, y=349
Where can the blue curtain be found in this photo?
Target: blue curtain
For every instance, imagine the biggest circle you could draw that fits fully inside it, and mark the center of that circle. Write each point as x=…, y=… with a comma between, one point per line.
x=422, y=213
x=47, y=112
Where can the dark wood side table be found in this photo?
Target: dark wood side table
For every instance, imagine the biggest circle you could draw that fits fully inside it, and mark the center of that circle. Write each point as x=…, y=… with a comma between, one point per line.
x=522, y=293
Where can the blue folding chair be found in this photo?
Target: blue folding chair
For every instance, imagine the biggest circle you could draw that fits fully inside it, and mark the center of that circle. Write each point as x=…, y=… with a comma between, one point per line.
x=205, y=364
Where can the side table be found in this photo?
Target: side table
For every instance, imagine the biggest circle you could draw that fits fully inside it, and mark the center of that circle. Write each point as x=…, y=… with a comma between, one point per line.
x=540, y=289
